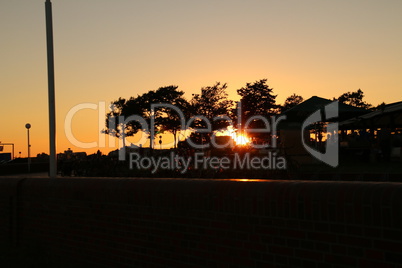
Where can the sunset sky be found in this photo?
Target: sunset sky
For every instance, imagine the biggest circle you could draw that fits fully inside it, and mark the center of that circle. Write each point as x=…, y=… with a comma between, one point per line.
x=110, y=49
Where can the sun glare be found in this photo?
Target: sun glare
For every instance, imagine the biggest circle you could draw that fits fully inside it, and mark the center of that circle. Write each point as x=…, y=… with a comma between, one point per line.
x=241, y=140
x=247, y=180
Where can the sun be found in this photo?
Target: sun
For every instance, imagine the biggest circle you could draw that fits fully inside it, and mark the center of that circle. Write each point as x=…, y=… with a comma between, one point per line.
x=241, y=139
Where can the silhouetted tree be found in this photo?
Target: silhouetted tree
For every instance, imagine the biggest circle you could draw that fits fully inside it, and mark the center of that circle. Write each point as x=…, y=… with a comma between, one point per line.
x=257, y=99
x=380, y=106
x=168, y=119
x=119, y=109
x=214, y=105
x=354, y=99
x=291, y=101
x=164, y=118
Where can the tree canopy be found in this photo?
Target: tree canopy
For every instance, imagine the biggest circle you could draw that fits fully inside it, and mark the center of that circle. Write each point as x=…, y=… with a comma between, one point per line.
x=257, y=100
x=165, y=119
x=354, y=99
x=291, y=101
x=214, y=105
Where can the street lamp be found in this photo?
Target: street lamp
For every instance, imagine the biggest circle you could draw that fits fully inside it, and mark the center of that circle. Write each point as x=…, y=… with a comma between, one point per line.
x=28, y=126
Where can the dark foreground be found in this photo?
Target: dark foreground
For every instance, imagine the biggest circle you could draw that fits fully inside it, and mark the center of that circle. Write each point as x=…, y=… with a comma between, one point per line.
x=150, y=222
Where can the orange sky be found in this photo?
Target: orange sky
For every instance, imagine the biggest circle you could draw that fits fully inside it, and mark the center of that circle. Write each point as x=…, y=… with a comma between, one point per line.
x=110, y=49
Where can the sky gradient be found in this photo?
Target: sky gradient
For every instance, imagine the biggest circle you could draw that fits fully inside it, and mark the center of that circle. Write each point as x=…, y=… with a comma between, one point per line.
x=110, y=49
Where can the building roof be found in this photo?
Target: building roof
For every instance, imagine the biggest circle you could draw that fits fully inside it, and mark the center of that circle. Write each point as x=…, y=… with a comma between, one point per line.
x=301, y=111
x=389, y=115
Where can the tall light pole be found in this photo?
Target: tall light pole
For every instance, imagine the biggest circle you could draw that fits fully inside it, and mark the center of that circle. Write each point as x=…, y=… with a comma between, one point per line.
x=52, y=109
x=28, y=126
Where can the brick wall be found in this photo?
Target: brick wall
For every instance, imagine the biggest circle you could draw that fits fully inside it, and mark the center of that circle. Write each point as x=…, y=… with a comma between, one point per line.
x=101, y=222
